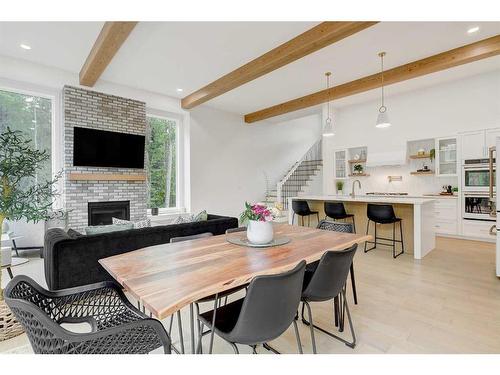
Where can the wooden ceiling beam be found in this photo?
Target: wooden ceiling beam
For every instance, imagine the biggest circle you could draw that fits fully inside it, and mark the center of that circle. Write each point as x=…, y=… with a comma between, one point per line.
x=304, y=44
x=109, y=41
x=445, y=60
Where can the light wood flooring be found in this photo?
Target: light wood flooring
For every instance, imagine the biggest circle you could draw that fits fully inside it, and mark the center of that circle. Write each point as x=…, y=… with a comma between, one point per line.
x=449, y=302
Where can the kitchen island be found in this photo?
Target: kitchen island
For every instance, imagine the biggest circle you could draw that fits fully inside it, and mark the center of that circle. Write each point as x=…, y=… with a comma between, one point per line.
x=417, y=214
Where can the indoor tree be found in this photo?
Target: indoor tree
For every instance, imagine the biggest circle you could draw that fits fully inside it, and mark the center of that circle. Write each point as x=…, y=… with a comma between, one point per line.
x=21, y=196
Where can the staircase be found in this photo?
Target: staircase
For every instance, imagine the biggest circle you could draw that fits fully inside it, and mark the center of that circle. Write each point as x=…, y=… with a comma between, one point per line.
x=297, y=178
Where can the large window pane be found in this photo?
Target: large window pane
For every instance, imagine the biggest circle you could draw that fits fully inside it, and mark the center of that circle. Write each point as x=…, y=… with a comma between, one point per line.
x=162, y=166
x=32, y=115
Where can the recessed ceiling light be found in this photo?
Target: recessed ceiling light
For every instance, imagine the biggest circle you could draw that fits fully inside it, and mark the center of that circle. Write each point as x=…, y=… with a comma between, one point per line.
x=180, y=90
x=24, y=46
x=473, y=29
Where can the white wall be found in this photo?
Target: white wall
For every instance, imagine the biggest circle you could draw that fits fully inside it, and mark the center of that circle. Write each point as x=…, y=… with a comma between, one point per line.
x=229, y=158
x=442, y=110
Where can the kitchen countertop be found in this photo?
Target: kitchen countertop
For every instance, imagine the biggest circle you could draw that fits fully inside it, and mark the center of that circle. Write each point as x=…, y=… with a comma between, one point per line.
x=405, y=199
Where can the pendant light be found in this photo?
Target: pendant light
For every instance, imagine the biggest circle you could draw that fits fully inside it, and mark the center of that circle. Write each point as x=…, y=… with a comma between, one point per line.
x=328, y=128
x=382, y=118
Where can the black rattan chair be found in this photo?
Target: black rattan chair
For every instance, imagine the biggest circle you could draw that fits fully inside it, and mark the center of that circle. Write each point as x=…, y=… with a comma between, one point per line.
x=116, y=327
x=263, y=315
x=336, y=211
x=301, y=208
x=325, y=283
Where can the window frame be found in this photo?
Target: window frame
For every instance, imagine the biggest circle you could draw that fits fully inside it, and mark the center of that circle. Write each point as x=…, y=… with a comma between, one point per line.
x=56, y=143
x=179, y=168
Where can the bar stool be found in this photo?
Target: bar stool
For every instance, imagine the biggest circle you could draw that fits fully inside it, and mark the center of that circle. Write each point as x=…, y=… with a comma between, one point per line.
x=384, y=214
x=336, y=211
x=301, y=208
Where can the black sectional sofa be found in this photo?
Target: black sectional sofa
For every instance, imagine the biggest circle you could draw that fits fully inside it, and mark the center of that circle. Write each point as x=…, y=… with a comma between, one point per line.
x=71, y=260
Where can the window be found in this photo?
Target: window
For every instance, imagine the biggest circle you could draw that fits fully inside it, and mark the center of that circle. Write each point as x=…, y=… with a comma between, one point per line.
x=162, y=162
x=32, y=115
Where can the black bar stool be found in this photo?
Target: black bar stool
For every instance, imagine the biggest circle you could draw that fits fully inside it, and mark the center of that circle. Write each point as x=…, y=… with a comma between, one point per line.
x=384, y=214
x=301, y=208
x=336, y=211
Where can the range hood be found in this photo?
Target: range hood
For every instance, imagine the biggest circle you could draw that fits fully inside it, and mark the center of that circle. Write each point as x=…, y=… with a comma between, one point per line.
x=386, y=158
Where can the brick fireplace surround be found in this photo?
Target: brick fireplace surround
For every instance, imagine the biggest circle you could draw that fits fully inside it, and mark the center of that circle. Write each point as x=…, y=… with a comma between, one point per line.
x=91, y=109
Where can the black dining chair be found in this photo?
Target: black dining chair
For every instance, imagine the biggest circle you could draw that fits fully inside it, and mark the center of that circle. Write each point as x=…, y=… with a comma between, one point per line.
x=336, y=211
x=384, y=214
x=212, y=298
x=263, y=315
x=115, y=326
x=179, y=318
x=301, y=209
x=338, y=227
x=325, y=283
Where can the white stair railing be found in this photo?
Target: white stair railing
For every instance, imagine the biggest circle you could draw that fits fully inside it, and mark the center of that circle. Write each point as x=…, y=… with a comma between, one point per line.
x=285, y=187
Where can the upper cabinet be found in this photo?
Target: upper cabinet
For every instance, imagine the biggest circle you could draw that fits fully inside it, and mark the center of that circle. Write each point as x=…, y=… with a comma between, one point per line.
x=340, y=164
x=475, y=144
x=446, y=156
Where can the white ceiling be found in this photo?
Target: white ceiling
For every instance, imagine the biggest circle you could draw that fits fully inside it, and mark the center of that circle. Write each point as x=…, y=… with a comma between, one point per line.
x=164, y=56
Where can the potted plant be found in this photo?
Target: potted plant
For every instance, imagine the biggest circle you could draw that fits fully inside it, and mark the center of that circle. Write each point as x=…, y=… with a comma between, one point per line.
x=20, y=197
x=259, y=218
x=358, y=169
x=340, y=186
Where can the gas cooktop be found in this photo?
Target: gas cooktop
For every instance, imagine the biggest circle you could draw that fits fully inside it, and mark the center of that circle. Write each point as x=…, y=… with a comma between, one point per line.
x=392, y=194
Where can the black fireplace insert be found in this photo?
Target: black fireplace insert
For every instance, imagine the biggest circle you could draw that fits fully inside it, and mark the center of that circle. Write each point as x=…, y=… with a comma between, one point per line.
x=102, y=213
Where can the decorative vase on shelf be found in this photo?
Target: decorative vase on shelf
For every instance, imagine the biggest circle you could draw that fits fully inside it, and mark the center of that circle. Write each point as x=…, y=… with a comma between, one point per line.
x=260, y=232
x=5, y=227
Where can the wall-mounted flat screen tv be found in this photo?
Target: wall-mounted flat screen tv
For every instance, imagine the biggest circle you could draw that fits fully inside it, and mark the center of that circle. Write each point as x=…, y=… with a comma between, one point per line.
x=99, y=148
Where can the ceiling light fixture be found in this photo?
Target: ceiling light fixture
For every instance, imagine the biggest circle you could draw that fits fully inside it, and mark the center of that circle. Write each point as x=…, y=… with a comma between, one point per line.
x=328, y=128
x=472, y=30
x=25, y=46
x=382, y=118
x=180, y=90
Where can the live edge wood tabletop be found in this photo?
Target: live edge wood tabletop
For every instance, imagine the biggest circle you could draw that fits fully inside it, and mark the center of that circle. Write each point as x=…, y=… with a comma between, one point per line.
x=167, y=277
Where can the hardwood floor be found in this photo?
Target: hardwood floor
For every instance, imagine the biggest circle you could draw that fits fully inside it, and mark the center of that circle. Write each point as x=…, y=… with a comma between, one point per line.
x=449, y=302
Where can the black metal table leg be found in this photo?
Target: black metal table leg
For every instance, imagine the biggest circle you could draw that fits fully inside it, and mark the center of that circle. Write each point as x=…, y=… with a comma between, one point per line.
x=15, y=247
x=10, y=273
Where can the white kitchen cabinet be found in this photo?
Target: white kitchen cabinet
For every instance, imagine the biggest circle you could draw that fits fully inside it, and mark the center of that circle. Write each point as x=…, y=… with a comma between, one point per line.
x=340, y=164
x=446, y=216
x=491, y=138
x=475, y=144
x=446, y=157
x=478, y=229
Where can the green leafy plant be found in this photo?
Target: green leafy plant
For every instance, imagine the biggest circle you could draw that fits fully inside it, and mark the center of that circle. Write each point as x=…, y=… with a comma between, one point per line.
x=432, y=154
x=21, y=196
x=340, y=185
x=358, y=168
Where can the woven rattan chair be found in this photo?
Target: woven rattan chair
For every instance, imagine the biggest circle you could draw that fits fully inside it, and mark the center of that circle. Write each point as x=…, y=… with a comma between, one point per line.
x=116, y=327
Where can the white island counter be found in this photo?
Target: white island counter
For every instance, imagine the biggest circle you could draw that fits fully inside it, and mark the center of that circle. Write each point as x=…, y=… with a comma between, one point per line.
x=417, y=214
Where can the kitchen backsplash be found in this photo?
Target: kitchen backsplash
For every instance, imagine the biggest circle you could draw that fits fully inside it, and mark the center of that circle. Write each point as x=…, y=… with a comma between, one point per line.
x=378, y=181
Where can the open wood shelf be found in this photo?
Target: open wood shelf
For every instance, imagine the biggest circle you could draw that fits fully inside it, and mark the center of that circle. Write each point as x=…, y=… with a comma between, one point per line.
x=359, y=175
x=424, y=156
x=357, y=161
x=422, y=173
x=107, y=177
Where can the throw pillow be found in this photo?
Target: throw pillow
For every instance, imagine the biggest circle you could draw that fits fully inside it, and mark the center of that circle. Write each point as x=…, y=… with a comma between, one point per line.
x=74, y=234
x=182, y=220
x=146, y=223
x=202, y=216
x=99, y=229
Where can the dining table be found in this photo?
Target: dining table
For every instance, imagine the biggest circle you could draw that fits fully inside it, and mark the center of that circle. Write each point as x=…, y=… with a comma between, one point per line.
x=167, y=277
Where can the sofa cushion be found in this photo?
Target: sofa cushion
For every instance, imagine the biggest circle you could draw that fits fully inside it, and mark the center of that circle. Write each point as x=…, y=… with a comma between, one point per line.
x=137, y=224
x=99, y=229
x=202, y=216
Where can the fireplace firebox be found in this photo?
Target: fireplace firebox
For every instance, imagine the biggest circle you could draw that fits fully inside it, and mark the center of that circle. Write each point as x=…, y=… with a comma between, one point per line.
x=102, y=213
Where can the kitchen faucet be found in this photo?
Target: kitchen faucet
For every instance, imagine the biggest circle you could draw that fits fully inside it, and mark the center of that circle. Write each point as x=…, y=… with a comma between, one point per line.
x=352, y=191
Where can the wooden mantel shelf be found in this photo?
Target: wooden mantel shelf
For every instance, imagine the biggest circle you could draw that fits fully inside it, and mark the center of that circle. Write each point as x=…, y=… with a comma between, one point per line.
x=107, y=177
